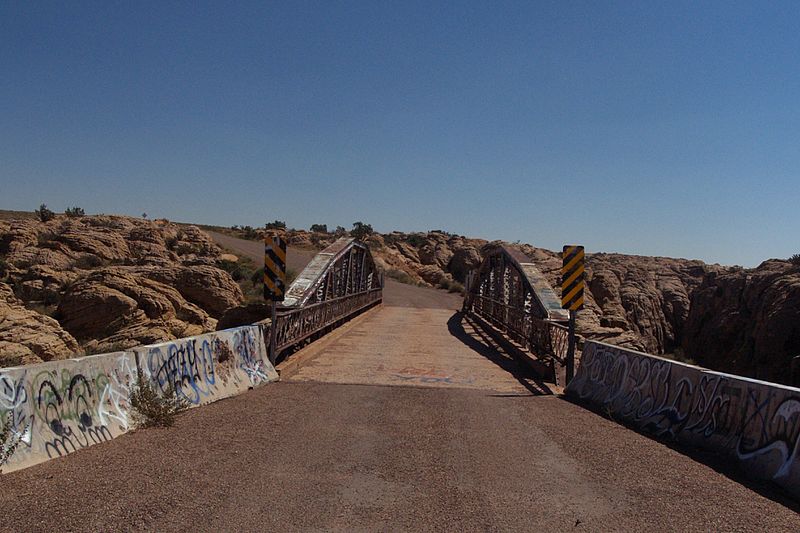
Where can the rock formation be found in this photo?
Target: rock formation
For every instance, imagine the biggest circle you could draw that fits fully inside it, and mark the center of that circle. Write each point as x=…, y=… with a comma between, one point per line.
x=110, y=282
x=747, y=321
x=28, y=337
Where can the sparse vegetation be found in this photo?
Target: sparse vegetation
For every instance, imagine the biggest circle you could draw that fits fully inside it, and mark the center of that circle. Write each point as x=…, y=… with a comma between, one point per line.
x=401, y=275
x=340, y=231
x=451, y=286
x=250, y=277
x=795, y=259
x=277, y=224
x=74, y=212
x=361, y=231
x=249, y=233
x=44, y=214
x=9, y=439
x=416, y=240
x=153, y=409
x=319, y=228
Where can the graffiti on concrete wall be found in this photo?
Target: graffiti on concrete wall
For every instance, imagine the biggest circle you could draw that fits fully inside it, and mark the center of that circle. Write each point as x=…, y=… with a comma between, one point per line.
x=209, y=367
x=59, y=407
x=754, y=422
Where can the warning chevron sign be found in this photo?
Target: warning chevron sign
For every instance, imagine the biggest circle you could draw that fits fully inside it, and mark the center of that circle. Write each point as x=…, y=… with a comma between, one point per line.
x=274, y=268
x=572, y=283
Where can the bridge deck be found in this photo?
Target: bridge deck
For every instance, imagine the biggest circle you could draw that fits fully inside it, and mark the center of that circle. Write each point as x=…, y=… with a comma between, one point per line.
x=416, y=347
x=312, y=453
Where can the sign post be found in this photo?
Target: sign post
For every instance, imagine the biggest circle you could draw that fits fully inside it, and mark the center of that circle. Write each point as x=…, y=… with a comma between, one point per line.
x=572, y=286
x=274, y=283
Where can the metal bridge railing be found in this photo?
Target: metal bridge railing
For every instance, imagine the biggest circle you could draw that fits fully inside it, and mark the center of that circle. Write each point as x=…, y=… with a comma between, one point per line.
x=296, y=325
x=541, y=337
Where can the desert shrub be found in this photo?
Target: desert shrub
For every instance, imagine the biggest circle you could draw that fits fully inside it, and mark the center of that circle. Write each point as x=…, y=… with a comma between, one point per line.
x=44, y=214
x=416, y=240
x=319, y=228
x=451, y=286
x=401, y=276
x=340, y=231
x=361, y=230
x=249, y=233
x=795, y=259
x=153, y=409
x=74, y=212
x=9, y=439
x=277, y=224
x=234, y=269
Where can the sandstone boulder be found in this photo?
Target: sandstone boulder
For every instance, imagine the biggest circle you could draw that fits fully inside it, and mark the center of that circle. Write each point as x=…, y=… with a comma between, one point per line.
x=113, y=302
x=28, y=337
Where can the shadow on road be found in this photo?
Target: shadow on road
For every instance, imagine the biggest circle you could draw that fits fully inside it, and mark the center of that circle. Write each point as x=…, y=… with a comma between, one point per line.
x=717, y=462
x=484, y=345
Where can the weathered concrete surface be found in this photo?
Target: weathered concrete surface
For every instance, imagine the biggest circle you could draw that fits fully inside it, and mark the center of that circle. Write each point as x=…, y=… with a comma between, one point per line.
x=755, y=423
x=63, y=406
x=418, y=347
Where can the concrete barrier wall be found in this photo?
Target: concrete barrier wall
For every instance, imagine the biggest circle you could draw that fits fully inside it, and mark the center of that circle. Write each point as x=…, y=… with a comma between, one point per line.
x=59, y=407
x=755, y=423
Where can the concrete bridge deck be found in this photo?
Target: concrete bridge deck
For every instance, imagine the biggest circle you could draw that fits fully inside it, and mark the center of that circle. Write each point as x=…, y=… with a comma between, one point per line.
x=406, y=418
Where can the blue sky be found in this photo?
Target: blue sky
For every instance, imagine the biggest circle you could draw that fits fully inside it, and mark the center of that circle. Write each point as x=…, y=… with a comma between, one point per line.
x=654, y=128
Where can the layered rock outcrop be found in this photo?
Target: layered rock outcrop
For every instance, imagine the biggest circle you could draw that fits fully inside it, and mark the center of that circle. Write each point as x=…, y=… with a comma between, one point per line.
x=28, y=337
x=109, y=282
x=747, y=321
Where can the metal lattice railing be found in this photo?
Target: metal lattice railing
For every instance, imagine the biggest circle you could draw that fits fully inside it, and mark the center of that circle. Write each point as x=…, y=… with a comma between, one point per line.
x=541, y=337
x=296, y=325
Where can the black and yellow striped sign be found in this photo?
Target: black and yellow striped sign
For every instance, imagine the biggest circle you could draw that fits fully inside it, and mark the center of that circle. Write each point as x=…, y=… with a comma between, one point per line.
x=572, y=278
x=274, y=268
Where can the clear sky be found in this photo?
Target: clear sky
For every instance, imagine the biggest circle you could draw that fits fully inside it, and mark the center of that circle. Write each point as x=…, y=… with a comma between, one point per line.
x=655, y=128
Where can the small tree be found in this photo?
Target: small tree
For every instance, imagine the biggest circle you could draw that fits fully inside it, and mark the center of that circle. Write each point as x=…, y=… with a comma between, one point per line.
x=44, y=214
x=74, y=212
x=278, y=224
x=144, y=215
x=319, y=228
x=360, y=231
x=340, y=231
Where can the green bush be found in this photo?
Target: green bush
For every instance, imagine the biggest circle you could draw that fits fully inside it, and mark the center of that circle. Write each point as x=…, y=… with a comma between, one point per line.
x=234, y=269
x=319, y=228
x=361, y=231
x=44, y=214
x=277, y=224
x=416, y=240
x=153, y=409
x=74, y=212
